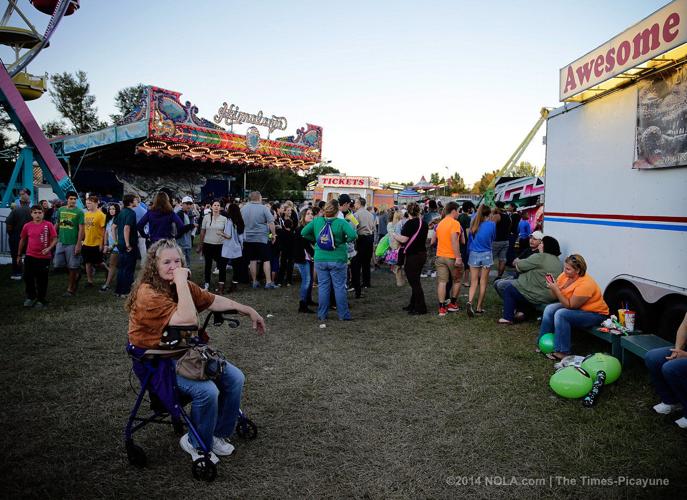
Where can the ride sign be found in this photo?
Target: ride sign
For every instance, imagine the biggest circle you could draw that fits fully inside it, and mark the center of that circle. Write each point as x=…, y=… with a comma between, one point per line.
x=231, y=115
x=662, y=31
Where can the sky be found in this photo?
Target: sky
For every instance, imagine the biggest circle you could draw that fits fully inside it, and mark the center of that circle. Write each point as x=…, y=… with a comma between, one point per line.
x=402, y=89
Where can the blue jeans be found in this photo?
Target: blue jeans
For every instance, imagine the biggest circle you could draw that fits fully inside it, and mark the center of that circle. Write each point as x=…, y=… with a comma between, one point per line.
x=512, y=300
x=559, y=321
x=500, y=285
x=304, y=270
x=125, y=271
x=215, y=405
x=328, y=274
x=668, y=377
x=187, y=255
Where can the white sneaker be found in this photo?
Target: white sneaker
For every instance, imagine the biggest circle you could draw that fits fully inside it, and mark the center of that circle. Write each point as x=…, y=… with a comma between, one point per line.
x=665, y=409
x=424, y=275
x=682, y=423
x=195, y=454
x=434, y=274
x=206, y=286
x=222, y=446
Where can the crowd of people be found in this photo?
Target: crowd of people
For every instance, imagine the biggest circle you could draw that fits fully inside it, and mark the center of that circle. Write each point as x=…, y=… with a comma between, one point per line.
x=331, y=244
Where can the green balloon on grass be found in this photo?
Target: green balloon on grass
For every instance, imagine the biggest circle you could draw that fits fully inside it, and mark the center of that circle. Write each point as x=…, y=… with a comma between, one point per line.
x=603, y=362
x=571, y=382
x=546, y=343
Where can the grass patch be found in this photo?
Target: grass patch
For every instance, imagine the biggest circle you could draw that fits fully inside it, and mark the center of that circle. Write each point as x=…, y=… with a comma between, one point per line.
x=385, y=406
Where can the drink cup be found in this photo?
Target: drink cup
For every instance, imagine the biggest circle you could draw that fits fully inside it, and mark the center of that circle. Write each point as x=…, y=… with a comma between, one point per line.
x=630, y=320
x=621, y=316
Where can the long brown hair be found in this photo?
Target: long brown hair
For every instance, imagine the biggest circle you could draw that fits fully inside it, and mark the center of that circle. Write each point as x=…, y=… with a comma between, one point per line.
x=161, y=203
x=149, y=275
x=481, y=216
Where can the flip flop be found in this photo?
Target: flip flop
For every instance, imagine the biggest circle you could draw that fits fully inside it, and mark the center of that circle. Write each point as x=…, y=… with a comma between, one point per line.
x=502, y=321
x=479, y=311
x=553, y=357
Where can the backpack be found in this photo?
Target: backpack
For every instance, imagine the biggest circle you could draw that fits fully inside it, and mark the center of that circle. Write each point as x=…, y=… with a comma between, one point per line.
x=325, y=240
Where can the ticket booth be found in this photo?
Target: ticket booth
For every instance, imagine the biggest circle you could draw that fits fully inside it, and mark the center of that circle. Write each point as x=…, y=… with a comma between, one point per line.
x=331, y=186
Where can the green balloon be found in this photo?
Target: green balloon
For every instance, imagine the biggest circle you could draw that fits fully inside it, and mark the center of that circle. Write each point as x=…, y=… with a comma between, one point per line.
x=603, y=362
x=571, y=382
x=546, y=343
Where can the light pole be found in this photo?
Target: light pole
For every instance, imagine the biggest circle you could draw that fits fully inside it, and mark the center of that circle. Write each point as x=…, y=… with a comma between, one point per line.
x=446, y=182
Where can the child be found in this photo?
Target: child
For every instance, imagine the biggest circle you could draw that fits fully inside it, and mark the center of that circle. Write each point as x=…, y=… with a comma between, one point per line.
x=39, y=238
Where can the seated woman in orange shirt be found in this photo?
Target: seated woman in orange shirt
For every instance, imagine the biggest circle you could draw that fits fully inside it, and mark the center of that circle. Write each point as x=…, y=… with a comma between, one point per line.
x=580, y=304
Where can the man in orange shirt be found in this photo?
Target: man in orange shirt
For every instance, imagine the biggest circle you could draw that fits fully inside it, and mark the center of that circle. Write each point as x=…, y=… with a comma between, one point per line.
x=448, y=263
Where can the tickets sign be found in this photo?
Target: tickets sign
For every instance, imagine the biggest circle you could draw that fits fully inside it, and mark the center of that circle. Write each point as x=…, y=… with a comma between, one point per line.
x=347, y=181
x=663, y=30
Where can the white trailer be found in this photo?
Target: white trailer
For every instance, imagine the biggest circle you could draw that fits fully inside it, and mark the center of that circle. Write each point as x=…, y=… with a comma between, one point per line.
x=626, y=218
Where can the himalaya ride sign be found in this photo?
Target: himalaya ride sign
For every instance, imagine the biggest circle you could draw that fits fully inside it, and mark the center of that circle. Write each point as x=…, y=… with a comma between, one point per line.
x=663, y=30
x=232, y=115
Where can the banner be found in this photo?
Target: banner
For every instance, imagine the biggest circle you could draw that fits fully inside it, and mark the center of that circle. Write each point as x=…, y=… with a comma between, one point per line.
x=662, y=121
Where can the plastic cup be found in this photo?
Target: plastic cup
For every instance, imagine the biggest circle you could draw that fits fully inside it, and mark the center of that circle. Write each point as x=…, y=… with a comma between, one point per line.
x=621, y=316
x=630, y=320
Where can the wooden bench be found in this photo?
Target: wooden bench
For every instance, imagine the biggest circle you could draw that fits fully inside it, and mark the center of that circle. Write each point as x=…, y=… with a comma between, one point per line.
x=614, y=340
x=640, y=345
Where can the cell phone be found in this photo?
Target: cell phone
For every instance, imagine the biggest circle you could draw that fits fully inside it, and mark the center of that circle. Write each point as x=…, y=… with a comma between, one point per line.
x=549, y=278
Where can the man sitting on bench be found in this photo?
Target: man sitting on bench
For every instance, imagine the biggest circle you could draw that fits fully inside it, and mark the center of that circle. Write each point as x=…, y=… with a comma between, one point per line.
x=668, y=370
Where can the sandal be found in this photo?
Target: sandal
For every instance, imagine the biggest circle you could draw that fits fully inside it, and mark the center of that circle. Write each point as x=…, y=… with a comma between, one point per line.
x=502, y=321
x=553, y=357
x=519, y=317
x=479, y=311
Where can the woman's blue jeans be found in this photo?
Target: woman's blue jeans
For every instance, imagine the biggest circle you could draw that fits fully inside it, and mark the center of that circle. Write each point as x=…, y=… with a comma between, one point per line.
x=668, y=377
x=215, y=405
x=328, y=274
x=304, y=271
x=559, y=321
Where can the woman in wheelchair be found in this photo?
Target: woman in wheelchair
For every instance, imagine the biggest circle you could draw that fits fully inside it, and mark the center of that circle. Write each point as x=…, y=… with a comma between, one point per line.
x=164, y=297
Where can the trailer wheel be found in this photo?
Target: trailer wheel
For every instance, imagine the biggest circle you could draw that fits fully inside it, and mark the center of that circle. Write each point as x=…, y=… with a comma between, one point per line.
x=671, y=316
x=626, y=294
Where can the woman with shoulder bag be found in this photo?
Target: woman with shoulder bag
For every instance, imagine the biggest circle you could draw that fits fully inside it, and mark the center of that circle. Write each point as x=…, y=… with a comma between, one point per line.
x=210, y=245
x=412, y=256
x=232, y=247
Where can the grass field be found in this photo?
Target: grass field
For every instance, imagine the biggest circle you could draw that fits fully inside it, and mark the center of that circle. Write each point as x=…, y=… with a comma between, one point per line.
x=386, y=406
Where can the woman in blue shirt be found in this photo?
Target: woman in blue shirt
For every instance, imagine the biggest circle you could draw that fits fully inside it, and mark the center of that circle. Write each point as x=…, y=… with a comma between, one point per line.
x=480, y=238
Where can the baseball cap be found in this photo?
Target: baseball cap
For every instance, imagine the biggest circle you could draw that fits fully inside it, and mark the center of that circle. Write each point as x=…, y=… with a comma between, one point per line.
x=537, y=235
x=187, y=199
x=344, y=198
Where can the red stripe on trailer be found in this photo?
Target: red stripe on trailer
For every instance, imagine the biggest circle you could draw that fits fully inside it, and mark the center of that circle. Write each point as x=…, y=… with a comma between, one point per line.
x=652, y=218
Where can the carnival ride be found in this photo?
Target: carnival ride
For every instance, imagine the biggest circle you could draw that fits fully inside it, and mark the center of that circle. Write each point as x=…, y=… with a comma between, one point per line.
x=17, y=86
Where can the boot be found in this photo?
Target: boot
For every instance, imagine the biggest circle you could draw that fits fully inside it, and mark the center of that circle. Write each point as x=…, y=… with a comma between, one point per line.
x=303, y=308
x=220, y=288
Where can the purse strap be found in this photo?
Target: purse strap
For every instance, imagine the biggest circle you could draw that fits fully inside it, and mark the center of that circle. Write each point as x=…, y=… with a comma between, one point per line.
x=410, y=241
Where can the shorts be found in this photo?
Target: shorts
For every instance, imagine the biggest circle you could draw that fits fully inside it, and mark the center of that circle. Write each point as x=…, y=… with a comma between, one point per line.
x=480, y=259
x=64, y=257
x=252, y=251
x=499, y=250
x=446, y=269
x=91, y=255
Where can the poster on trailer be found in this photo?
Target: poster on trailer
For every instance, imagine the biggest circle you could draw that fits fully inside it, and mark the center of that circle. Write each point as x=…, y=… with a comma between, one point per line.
x=662, y=121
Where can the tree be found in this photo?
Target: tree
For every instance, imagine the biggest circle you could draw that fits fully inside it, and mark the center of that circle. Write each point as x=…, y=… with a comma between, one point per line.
x=482, y=185
x=320, y=169
x=126, y=101
x=434, y=178
x=456, y=183
x=70, y=94
x=524, y=169
x=55, y=128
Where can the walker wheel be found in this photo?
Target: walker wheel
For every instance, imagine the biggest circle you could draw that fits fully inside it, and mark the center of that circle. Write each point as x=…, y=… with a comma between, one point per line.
x=246, y=428
x=204, y=470
x=136, y=455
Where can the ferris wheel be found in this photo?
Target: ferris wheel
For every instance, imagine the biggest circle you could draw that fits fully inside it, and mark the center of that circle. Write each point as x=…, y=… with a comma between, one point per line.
x=17, y=86
x=27, y=42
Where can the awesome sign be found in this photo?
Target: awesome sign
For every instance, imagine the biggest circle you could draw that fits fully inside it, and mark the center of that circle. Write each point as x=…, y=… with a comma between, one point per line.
x=665, y=29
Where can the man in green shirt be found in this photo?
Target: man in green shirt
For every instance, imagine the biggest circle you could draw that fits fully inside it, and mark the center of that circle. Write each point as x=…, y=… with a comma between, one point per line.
x=330, y=264
x=70, y=233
